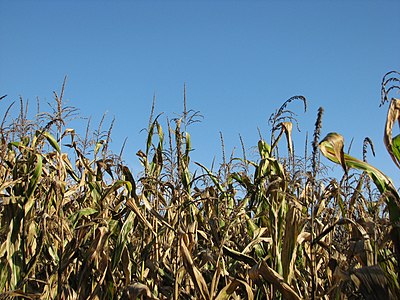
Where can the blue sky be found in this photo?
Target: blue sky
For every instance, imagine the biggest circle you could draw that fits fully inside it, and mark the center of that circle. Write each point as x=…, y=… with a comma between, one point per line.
x=240, y=61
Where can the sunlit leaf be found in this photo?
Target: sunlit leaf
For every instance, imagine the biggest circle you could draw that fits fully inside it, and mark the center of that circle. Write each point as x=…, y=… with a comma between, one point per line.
x=392, y=145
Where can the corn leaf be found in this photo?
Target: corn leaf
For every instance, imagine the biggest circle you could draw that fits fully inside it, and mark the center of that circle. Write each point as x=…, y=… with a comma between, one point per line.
x=392, y=145
x=122, y=240
x=271, y=276
x=332, y=144
x=52, y=141
x=195, y=274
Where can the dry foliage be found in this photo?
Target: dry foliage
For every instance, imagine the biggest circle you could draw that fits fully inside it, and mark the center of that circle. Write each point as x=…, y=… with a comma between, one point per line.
x=76, y=224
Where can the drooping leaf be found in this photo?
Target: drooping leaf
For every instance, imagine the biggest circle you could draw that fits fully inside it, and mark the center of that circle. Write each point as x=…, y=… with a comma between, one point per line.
x=197, y=278
x=392, y=145
x=131, y=204
x=332, y=148
x=287, y=128
x=271, y=276
x=52, y=141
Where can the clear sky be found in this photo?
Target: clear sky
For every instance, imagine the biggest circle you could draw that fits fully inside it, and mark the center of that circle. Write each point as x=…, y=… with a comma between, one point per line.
x=240, y=61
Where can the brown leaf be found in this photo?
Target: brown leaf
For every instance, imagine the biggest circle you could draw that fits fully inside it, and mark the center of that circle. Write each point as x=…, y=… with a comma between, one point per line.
x=195, y=274
x=287, y=128
x=271, y=276
x=133, y=291
x=231, y=287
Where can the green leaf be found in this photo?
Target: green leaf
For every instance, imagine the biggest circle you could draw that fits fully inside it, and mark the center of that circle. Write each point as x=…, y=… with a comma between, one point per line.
x=97, y=147
x=392, y=117
x=264, y=149
x=212, y=177
x=52, y=141
x=122, y=239
x=33, y=183
x=396, y=147
x=115, y=186
x=74, y=218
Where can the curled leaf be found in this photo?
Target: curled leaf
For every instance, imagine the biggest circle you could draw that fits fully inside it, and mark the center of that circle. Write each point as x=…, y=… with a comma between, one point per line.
x=287, y=128
x=392, y=144
x=332, y=148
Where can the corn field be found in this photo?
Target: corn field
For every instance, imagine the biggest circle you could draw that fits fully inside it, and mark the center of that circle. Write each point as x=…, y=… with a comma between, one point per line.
x=76, y=223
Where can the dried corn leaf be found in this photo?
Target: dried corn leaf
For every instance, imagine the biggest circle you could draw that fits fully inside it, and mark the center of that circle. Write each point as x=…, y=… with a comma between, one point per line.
x=130, y=203
x=231, y=287
x=239, y=256
x=293, y=228
x=150, y=208
x=198, y=279
x=271, y=276
x=287, y=128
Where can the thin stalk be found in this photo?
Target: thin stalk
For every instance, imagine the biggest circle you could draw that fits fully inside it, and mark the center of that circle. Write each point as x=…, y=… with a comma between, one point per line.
x=315, y=167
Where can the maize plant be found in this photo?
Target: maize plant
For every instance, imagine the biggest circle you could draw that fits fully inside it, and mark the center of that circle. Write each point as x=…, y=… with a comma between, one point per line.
x=78, y=223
